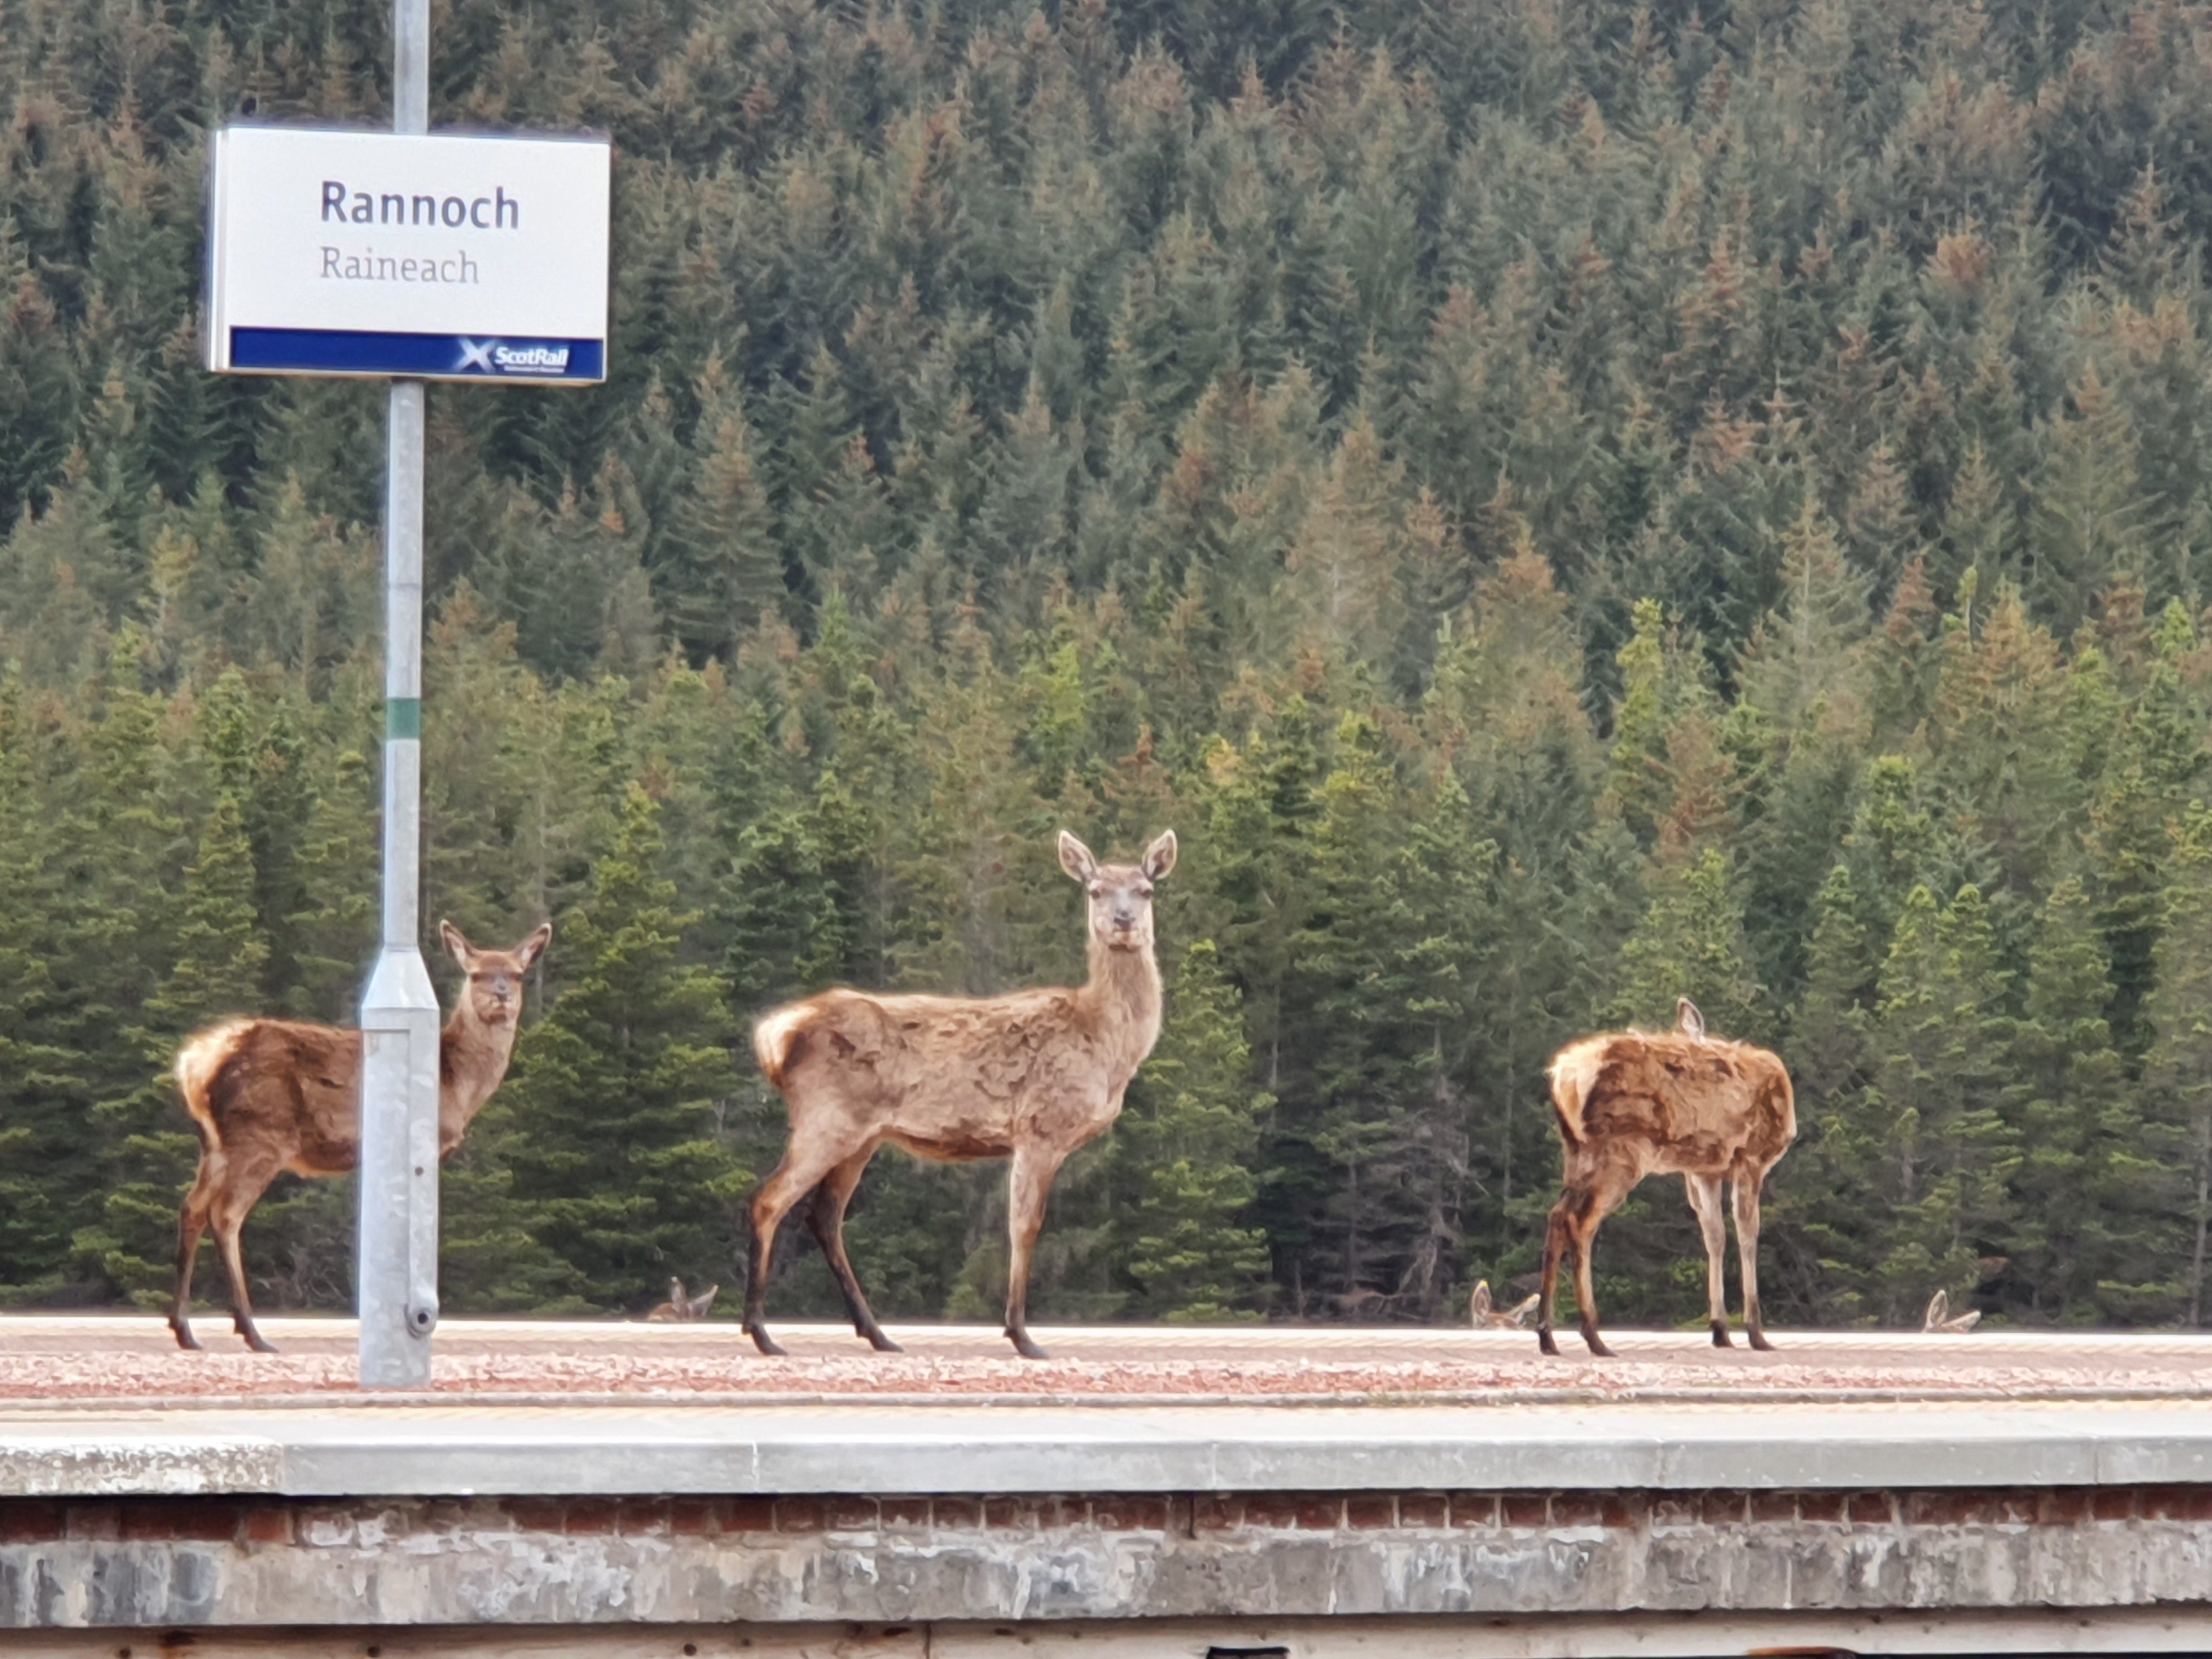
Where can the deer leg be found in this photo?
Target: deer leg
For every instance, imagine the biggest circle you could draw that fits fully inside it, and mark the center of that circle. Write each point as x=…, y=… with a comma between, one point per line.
x=240, y=1191
x=192, y=1222
x=801, y=1172
x=1748, y=1183
x=1029, y=1183
x=1585, y=1206
x=826, y=1218
x=1705, y=1192
x=1556, y=1244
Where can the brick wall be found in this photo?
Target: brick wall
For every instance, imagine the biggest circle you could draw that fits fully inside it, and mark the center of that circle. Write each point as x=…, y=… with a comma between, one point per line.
x=528, y=1560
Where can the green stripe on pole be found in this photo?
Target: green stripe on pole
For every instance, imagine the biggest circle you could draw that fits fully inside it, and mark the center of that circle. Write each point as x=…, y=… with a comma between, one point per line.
x=403, y=717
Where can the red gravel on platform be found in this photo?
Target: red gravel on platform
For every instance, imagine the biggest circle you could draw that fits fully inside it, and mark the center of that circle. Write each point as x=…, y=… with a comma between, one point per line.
x=610, y=1363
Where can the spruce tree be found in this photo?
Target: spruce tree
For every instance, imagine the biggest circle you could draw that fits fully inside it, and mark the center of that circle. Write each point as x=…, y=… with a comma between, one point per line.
x=1188, y=1148
x=611, y=1122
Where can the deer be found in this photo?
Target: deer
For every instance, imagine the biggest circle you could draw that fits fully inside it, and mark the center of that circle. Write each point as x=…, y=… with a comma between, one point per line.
x=1633, y=1104
x=1940, y=1320
x=1028, y=1076
x=679, y=1309
x=1483, y=1315
x=267, y=1096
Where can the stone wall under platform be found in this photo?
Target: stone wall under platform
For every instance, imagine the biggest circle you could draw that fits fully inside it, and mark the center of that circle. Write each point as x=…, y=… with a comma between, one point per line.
x=268, y=1561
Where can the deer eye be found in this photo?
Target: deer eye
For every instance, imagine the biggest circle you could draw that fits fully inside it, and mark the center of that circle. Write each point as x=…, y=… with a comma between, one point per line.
x=1098, y=889
x=1145, y=893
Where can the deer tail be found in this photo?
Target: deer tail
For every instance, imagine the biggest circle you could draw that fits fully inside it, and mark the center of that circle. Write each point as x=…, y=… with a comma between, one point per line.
x=203, y=1056
x=775, y=1034
x=1574, y=1073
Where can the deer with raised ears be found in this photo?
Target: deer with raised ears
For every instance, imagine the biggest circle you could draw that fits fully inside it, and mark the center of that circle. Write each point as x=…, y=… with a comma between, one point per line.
x=1028, y=1076
x=271, y=1095
x=680, y=1309
x=1633, y=1103
x=1483, y=1314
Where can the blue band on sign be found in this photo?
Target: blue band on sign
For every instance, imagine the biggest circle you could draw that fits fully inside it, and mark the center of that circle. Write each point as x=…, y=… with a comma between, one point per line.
x=428, y=356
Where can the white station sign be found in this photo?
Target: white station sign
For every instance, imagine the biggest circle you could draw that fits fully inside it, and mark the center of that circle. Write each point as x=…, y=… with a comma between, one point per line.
x=378, y=253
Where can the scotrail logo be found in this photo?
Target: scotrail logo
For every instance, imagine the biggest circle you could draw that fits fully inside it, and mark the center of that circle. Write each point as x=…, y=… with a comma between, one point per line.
x=495, y=357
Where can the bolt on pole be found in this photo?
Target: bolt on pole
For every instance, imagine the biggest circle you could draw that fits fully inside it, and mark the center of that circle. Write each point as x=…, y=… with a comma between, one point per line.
x=397, y=1261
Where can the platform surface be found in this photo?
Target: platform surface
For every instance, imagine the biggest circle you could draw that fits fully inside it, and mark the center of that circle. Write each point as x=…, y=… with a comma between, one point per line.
x=569, y=1408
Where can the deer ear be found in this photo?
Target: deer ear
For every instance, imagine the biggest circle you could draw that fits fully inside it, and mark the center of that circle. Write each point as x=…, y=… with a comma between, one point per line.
x=1687, y=1019
x=1478, y=1304
x=456, y=946
x=1160, y=856
x=529, y=948
x=1077, y=859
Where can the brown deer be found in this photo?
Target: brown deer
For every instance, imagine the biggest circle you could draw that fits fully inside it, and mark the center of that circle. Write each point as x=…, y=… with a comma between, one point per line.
x=271, y=1095
x=1028, y=1076
x=1631, y=1103
x=1483, y=1315
x=679, y=1309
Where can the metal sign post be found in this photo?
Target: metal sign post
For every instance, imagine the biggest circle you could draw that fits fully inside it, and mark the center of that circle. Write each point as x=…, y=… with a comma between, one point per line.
x=397, y=1261
x=405, y=256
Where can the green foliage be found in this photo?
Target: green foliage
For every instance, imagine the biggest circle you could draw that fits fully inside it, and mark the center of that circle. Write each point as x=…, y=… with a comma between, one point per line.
x=1555, y=517
x=608, y=1122
x=1187, y=1144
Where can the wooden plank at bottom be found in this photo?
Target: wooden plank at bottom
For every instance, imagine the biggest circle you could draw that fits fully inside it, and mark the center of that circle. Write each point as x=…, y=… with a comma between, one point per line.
x=2165, y=1628
x=479, y=1642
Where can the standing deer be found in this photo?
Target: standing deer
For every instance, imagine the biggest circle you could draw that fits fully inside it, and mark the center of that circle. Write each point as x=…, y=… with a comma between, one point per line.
x=271, y=1095
x=1630, y=1103
x=1028, y=1076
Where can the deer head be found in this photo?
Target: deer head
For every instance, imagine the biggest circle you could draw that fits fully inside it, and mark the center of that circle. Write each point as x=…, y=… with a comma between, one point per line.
x=494, y=994
x=1121, y=894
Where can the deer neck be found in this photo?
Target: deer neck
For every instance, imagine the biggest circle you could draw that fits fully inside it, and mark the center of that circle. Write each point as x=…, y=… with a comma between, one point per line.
x=472, y=1058
x=1123, y=998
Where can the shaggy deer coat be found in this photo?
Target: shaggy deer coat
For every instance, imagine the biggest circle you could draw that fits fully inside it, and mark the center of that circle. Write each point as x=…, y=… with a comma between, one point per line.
x=1633, y=1103
x=1028, y=1076
x=271, y=1095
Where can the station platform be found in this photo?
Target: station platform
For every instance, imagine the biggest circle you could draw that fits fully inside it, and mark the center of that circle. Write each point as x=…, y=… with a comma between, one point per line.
x=1305, y=1493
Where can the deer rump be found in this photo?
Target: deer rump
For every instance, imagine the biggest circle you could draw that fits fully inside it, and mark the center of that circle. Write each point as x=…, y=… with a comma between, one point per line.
x=227, y=1071
x=948, y=1079
x=1695, y=1105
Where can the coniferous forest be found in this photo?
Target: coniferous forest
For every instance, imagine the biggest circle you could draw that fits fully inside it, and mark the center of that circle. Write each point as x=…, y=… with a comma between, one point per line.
x=1560, y=504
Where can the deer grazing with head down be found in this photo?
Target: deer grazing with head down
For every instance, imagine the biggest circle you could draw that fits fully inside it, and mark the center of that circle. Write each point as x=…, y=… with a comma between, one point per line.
x=1633, y=1103
x=1028, y=1076
x=271, y=1095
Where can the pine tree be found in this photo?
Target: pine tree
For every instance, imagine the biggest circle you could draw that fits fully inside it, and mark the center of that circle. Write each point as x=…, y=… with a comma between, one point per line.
x=610, y=1122
x=2177, y=1090
x=2080, y=1225
x=1188, y=1148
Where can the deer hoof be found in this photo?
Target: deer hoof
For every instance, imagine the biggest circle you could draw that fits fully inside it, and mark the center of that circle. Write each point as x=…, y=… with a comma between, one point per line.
x=185, y=1337
x=767, y=1344
x=261, y=1344
x=1027, y=1349
x=1721, y=1335
x=1597, y=1345
x=1545, y=1344
x=881, y=1343
x=1758, y=1341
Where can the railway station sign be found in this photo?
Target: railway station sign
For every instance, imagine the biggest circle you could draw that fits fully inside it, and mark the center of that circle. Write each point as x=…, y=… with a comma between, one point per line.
x=451, y=258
